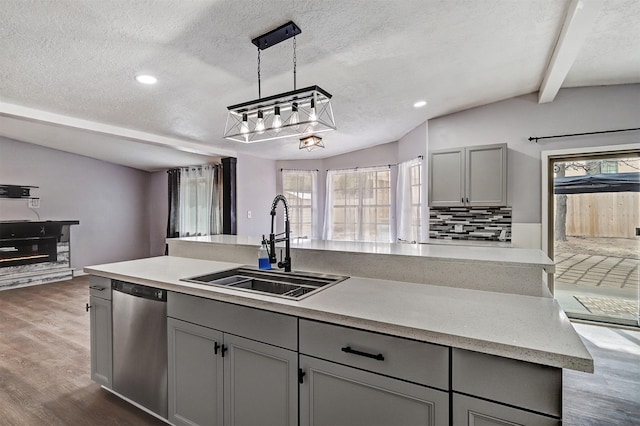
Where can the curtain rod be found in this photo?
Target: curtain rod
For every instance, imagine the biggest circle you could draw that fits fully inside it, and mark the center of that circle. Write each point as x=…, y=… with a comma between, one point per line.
x=195, y=167
x=420, y=157
x=300, y=170
x=536, y=138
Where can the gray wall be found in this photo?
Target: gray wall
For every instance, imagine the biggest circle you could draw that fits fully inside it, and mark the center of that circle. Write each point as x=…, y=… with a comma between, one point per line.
x=512, y=121
x=256, y=188
x=110, y=201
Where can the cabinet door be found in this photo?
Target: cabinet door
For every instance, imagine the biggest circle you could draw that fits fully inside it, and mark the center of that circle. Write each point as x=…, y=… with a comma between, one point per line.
x=101, y=341
x=446, y=178
x=486, y=180
x=261, y=386
x=469, y=411
x=333, y=394
x=195, y=374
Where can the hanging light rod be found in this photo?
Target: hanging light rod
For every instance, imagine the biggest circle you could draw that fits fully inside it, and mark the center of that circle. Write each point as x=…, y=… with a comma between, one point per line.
x=537, y=138
x=273, y=37
x=300, y=112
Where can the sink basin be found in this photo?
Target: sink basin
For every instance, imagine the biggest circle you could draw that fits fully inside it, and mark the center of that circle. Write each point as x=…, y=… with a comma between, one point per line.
x=289, y=285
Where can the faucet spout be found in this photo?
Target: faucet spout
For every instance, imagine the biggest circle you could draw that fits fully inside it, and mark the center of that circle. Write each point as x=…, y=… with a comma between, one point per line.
x=286, y=263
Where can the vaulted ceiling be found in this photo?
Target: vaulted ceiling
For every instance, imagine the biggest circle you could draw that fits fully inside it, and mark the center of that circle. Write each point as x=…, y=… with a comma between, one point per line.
x=68, y=66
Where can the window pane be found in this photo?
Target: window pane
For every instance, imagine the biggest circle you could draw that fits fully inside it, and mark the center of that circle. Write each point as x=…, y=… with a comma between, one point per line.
x=366, y=202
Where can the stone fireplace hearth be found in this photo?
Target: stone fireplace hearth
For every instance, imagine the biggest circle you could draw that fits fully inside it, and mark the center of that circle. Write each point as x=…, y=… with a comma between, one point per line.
x=34, y=252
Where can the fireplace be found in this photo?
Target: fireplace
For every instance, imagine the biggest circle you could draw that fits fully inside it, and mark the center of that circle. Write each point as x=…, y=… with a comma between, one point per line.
x=26, y=251
x=34, y=252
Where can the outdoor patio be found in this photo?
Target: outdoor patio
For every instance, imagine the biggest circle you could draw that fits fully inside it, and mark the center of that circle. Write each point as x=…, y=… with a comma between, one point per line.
x=598, y=277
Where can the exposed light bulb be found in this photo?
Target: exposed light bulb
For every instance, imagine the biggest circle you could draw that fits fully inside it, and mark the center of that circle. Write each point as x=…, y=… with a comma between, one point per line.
x=277, y=120
x=244, y=127
x=295, y=117
x=260, y=123
x=312, y=114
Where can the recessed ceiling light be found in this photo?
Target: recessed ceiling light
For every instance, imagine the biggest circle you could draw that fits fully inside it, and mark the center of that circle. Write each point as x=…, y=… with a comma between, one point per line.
x=146, y=79
x=419, y=104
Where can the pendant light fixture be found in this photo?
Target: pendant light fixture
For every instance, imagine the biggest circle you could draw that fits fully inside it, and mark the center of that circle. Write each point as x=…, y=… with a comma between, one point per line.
x=299, y=112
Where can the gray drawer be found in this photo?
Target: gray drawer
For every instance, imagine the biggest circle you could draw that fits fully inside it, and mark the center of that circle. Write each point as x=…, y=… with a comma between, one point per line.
x=263, y=326
x=100, y=287
x=523, y=384
x=469, y=411
x=413, y=361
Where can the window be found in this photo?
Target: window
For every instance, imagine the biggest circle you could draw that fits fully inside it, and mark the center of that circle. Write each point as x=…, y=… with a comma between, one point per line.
x=408, y=201
x=358, y=205
x=299, y=189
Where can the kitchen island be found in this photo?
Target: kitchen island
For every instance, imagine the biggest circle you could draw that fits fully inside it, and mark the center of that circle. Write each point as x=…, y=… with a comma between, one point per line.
x=494, y=355
x=498, y=268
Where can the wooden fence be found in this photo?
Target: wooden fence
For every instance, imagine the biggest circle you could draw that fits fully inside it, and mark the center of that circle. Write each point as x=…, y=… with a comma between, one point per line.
x=604, y=214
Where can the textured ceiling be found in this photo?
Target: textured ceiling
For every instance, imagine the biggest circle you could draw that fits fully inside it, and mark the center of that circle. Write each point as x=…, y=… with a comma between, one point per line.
x=72, y=61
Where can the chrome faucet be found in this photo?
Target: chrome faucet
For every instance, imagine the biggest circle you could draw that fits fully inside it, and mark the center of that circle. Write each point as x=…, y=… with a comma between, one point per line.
x=286, y=264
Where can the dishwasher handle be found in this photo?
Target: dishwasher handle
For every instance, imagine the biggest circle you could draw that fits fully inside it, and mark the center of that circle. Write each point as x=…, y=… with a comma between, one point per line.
x=138, y=290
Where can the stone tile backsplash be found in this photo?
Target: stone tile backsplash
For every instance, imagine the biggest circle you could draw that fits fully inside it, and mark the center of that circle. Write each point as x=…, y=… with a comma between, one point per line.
x=470, y=223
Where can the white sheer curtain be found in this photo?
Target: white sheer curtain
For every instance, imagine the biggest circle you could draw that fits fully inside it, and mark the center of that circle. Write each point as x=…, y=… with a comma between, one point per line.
x=408, y=202
x=200, y=200
x=315, y=217
x=300, y=187
x=327, y=232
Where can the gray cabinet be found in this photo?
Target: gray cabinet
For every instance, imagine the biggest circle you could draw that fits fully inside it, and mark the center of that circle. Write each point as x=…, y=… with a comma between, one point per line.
x=469, y=176
x=216, y=377
x=357, y=377
x=195, y=374
x=532, y=393
x=99, y=308
x=477, y=412
x=334, y=394
x=260, y=383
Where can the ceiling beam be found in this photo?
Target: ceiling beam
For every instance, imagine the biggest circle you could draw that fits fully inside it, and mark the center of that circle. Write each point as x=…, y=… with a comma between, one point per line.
x=577, y=24
x=32, y=114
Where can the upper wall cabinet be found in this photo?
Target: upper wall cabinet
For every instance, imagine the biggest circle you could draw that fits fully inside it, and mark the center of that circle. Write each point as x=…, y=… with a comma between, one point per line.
x=470, y=176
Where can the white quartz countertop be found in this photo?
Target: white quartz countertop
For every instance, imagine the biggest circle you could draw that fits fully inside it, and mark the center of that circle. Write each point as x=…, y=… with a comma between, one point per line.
x=446, y=251
x=527, y=328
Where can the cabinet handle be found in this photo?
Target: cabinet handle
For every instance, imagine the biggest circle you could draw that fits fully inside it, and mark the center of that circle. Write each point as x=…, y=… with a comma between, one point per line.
x=467, y=200
x=348, y=350
x=301, y=375
x=87, y=307
x=223, y=349
x=95, y=287
x=216, y=346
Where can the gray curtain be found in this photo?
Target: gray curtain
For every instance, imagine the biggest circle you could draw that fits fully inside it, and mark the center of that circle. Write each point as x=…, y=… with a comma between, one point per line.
x=173, y=219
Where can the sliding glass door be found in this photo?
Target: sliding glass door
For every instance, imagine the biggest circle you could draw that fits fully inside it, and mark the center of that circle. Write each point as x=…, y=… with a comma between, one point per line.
x=596, y=250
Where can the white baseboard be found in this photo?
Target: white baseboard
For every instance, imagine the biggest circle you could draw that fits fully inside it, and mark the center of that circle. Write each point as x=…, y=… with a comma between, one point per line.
x=79, y=273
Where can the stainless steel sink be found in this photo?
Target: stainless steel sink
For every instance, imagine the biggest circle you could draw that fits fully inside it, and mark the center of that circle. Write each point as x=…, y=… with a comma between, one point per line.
x=289, y=285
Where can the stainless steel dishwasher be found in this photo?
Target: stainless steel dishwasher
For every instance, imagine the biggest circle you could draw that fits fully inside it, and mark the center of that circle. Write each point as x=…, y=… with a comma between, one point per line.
x=140, y=344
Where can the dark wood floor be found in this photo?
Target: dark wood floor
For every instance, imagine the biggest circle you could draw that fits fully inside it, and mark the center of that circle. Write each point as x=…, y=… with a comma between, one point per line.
x=45, y=364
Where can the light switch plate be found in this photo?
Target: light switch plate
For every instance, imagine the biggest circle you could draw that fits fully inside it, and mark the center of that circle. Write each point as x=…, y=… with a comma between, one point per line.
x=34, y=203
x=248, y=214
